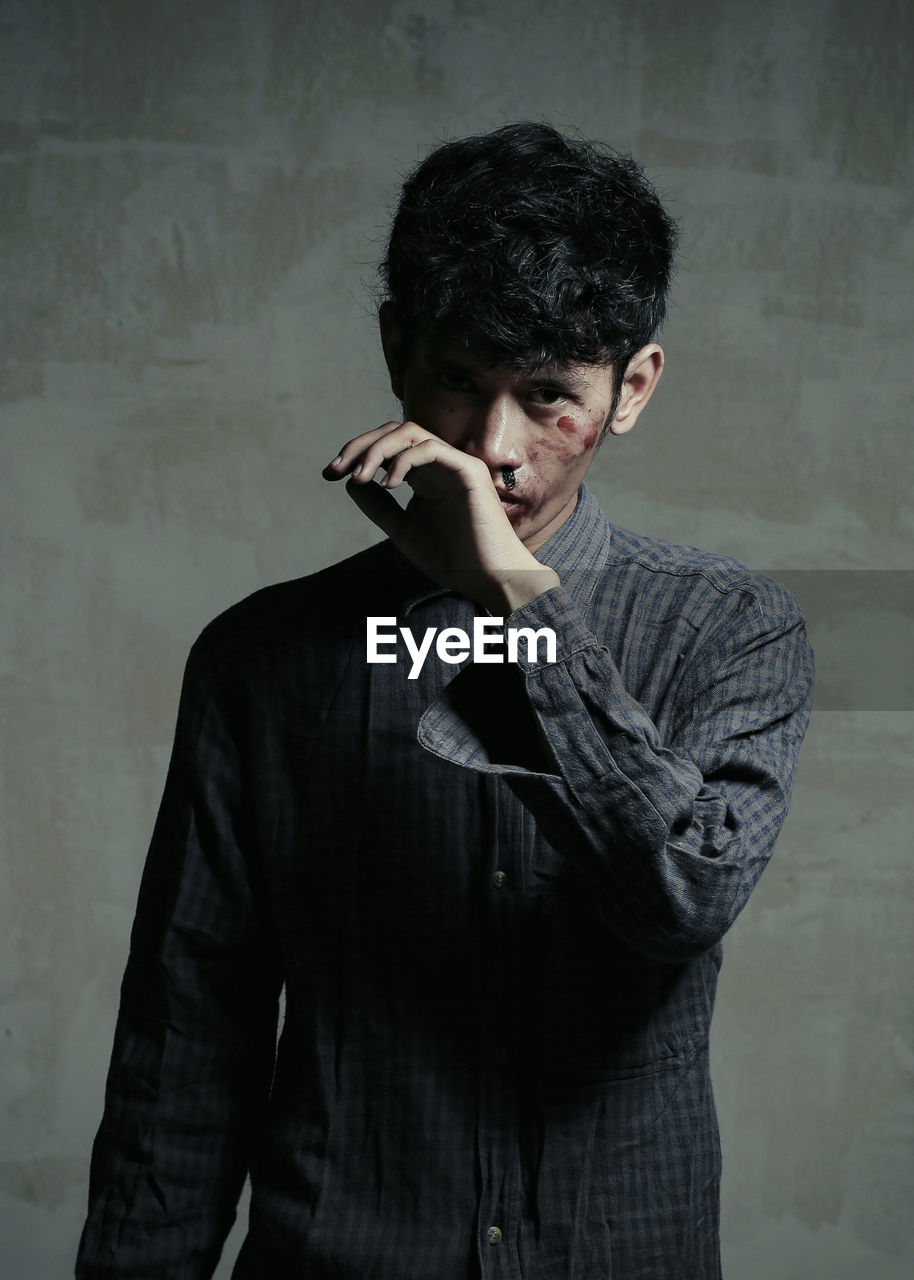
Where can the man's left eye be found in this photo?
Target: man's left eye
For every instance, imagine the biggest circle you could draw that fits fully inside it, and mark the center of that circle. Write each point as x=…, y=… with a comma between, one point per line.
x=549, y=395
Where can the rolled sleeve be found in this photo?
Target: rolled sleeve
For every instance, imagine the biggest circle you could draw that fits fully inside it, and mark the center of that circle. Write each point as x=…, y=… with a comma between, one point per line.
x=675, y=829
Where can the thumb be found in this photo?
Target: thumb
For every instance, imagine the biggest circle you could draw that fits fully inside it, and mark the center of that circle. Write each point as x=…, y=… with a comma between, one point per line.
x=379, y=506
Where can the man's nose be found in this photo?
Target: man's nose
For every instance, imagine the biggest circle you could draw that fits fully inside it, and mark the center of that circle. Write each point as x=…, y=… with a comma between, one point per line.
x=494, y=432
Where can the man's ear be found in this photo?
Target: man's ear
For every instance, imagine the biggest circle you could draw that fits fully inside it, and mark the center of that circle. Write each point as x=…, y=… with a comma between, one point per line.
x=393, y=346
x=641, y=376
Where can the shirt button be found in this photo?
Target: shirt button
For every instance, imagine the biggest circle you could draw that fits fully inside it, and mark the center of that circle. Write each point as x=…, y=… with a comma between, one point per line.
x=499, y=879
x=493, y=1235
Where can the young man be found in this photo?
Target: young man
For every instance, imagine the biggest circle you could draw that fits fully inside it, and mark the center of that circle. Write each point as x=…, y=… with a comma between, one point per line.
x=493, y=890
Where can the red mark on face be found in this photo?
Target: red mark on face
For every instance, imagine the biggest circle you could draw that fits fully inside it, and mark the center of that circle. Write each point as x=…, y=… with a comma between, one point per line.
x=549, y=445
x=592, y=434
x=587, y=435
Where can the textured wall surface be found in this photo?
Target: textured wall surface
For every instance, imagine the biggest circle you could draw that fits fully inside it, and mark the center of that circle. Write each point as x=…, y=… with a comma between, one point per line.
x=192, y=197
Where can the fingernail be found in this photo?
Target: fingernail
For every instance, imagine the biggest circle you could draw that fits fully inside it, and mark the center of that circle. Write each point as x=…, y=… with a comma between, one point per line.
x=336, y=461
x=356, y=470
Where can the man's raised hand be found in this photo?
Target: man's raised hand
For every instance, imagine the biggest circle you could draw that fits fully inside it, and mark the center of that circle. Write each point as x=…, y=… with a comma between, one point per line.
x=454, y=528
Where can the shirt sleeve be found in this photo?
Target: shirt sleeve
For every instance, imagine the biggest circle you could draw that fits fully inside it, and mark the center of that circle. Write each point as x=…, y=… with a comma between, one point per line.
x=674, y=830
x=195, y=1039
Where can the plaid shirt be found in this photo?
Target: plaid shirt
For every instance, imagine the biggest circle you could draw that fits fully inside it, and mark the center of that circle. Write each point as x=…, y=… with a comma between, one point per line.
x=495, y=897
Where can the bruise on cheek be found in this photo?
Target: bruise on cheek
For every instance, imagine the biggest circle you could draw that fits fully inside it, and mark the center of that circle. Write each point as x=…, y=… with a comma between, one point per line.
x=591, y=433
x=585, y=433
x=547, y=445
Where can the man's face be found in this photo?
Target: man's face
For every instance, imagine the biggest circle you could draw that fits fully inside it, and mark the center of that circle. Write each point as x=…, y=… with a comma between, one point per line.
x=544, y=426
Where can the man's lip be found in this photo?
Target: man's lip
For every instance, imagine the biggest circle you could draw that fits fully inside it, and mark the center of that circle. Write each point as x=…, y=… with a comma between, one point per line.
x=509, y=498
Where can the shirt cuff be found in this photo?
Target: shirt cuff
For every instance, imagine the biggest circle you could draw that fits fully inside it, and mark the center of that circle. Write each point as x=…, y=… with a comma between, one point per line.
x=553, y=610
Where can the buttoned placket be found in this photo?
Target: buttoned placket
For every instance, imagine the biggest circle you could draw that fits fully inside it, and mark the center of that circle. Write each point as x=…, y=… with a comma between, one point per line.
x=499, y=1154
x=502, y=982
x=500, y=979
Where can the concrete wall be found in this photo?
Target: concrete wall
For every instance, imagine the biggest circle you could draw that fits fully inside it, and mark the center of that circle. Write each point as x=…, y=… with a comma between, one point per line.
x=192, y=193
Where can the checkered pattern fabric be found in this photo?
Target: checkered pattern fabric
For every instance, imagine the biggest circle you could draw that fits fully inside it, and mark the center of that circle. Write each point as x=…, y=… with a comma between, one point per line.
x=495, y=896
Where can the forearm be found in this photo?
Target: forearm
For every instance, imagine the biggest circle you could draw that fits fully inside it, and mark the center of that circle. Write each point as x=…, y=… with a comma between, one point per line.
x=672, y=829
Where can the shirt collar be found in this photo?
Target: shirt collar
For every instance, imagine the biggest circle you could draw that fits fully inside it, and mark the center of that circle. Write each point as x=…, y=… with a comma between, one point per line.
x=576, y=551
x=581, y=544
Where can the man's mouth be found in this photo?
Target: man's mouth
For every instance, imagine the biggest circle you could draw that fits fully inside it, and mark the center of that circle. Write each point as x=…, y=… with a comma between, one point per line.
x=510, y=501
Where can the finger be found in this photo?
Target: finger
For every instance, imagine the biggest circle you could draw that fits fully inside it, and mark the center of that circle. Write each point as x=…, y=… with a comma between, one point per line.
x=351, y=458
x=454, y=462
x=399, y=467
x=385, y=449
x=352, y=449
x=380, y=507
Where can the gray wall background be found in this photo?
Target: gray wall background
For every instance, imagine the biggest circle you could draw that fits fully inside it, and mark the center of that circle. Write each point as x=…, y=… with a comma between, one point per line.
x=191, y=196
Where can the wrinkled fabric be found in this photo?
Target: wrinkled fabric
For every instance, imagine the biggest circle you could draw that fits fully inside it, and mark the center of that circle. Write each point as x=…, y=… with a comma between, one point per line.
x=495, y=897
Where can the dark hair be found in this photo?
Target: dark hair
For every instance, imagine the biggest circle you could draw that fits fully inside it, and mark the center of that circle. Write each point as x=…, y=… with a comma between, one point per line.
x=530, y=247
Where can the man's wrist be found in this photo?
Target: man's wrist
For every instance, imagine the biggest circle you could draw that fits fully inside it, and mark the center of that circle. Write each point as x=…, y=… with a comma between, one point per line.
x=509, y=590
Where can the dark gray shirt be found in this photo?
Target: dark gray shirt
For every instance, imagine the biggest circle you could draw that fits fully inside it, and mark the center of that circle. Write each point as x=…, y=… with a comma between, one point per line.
x=495, y=895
